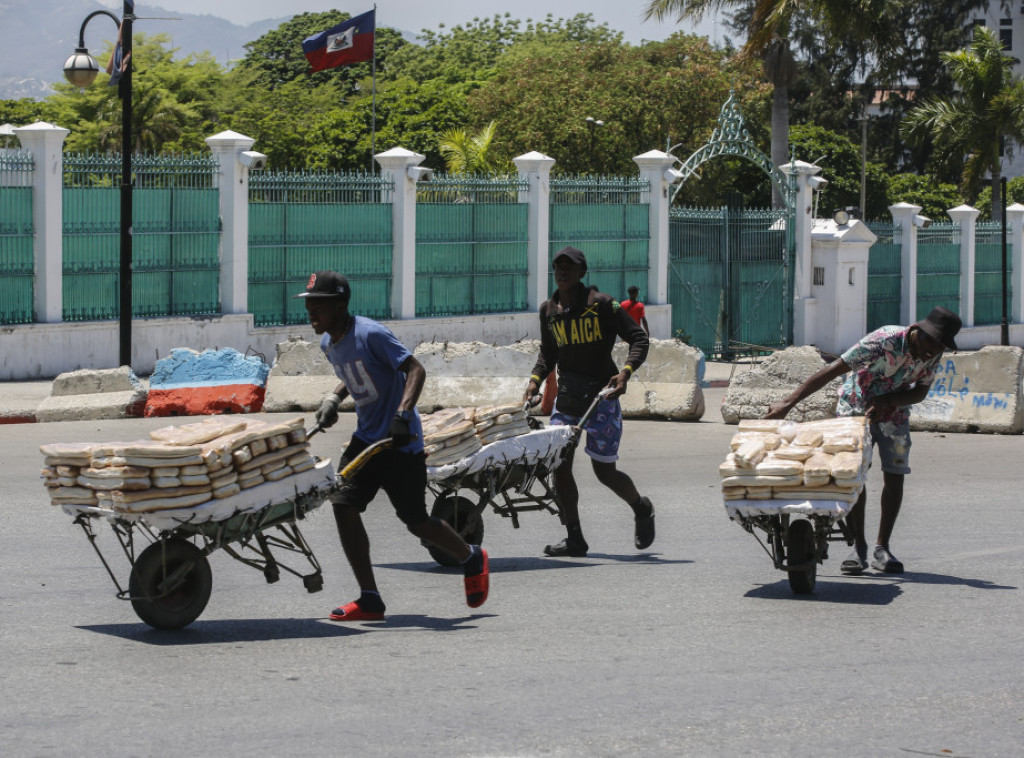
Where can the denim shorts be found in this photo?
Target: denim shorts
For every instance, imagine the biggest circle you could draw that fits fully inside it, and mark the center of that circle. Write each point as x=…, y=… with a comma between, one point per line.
x=893, y=441
x=604, y=429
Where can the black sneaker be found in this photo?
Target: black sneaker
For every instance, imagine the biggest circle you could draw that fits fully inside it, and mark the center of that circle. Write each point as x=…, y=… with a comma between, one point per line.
x=643, y=534
x=855, y=562
x=567, y=547
x=884, y=561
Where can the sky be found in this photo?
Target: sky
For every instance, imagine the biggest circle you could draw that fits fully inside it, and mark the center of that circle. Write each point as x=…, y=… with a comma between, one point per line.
x=414, y=15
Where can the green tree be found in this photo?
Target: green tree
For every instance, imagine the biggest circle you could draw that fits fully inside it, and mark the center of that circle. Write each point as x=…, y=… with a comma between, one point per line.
x=466, y=153
x=173, y=102
x=987, y=109
x=543, y=91
x=934, y=197
x=768, y=28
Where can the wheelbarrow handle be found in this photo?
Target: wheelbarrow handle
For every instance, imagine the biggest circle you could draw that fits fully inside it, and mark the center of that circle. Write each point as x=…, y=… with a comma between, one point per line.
x=354, y=466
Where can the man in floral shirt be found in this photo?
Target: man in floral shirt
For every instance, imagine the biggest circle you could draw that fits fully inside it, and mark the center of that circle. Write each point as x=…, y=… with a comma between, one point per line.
x=889, y=370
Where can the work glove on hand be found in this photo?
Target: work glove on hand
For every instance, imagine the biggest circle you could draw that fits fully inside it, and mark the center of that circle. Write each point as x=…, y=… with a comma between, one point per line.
x=327, y=416
x=399, y=432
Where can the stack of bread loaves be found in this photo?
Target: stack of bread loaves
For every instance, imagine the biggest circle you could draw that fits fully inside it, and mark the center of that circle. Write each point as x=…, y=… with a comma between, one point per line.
x=179, y=467
x=452, y=434
x=783, y=460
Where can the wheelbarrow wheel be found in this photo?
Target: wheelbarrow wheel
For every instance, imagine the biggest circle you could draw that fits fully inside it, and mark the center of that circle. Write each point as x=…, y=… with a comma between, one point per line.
x=800, y=554
x=170, y=584
x=460, y=514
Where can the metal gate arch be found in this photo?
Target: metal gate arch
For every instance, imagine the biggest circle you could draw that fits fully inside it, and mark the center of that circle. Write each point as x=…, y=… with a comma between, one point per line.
x=730, y=269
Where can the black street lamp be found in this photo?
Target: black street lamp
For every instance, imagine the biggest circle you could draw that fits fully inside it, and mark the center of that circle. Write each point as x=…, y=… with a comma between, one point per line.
x=80, y=69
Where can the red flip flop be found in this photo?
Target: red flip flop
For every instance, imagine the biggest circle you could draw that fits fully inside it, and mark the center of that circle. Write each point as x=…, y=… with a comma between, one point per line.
x=478, y=585
x=352, y=612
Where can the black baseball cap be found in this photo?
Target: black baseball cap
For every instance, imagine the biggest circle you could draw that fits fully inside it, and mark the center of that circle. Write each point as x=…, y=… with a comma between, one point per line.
x=573, y=254
x=327, y=284
x=942, y=324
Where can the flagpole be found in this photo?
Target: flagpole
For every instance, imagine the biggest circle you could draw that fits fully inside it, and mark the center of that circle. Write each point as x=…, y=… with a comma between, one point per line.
x=373, y=69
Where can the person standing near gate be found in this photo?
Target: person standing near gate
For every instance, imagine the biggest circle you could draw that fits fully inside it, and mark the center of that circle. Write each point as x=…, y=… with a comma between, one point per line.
x=636, y=309
x=385, y=381
x=890, y=369
x=578, y=328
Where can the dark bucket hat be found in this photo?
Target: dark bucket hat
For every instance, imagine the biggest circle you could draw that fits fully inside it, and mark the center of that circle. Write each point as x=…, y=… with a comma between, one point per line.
x=943, y=325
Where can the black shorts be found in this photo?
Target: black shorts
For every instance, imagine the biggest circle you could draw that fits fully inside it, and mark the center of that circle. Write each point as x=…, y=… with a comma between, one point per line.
x=403, y=477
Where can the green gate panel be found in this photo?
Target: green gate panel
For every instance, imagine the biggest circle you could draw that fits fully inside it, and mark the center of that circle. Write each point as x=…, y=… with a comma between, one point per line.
x=885, y=277
x=17, y=256
x=938, y=268
x=988, y=275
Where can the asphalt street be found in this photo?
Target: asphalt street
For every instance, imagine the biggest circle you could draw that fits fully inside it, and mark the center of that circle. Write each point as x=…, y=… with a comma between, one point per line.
x=696, y=647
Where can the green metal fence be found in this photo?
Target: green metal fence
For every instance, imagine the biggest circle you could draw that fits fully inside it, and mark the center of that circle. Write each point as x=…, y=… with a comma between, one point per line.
x=730, y=277
x=17, y=258
x=885, y=279
x=175, y=236
x=306, y=221
x=471, y=245
x=988, y=274
x=607, y=217
x=938, y=268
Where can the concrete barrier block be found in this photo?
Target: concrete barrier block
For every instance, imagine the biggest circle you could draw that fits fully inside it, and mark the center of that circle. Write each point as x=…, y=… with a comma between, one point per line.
x=667, y=385
x=470, y=374
x=300, y=379
x=750, y=393
x=189, y=383
x=88, y=395
x=976, y=391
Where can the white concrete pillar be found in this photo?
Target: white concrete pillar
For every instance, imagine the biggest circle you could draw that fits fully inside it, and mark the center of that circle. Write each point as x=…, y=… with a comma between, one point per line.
x=805, y=306
x=535, y=168
x=233, y=178
x=1015, y=222
x=906, y=215
x=397, y=164
x=840, y=256
x=46, y=144
x=656, y=167
x=966, y=218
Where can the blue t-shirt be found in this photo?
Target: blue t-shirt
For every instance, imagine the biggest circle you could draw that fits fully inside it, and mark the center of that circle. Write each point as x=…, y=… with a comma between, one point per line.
x=367, y=360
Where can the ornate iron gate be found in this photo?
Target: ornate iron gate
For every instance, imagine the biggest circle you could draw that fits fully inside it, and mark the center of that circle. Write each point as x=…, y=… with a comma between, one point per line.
x=730, y=279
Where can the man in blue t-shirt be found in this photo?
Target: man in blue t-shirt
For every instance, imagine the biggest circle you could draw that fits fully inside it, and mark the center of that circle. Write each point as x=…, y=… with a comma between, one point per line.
x=385, y=381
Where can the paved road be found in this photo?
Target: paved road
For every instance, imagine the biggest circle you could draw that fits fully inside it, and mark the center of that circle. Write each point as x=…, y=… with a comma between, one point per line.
x=697, y=647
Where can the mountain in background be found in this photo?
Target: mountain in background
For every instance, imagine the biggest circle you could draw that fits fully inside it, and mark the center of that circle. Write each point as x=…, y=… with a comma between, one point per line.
x=37, y=37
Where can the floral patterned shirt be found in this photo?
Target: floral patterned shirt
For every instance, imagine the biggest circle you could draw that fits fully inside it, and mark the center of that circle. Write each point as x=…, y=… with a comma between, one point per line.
x=882, y=363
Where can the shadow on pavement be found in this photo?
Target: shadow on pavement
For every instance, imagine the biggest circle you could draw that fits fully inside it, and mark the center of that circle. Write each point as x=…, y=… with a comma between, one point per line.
x=539, y=563
x=229, y=630
x=853, y=593
x=265, y=630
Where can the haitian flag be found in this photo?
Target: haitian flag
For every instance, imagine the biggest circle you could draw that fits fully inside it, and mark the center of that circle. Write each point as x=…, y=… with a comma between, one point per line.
x=349, y=42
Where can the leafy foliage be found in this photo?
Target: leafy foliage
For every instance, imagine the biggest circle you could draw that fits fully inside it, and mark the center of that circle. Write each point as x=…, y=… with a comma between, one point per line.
x=935, y=198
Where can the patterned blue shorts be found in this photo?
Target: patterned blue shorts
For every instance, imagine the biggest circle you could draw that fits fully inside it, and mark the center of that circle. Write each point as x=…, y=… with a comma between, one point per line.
x=893, y=441
x=604, y=429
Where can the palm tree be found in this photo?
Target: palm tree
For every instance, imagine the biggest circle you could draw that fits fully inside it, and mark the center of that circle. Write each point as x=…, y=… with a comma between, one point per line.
x=466, y=153
x=973, y=124
x=768, y=39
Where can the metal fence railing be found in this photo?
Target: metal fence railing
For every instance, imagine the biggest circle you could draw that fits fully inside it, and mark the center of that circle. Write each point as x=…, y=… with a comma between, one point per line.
x=938, y=267
x=175, y=236
x=17, y=262
x=608, y=217
x=306, y=221
x=471, y=245
x=988, y=273
x=885, y=278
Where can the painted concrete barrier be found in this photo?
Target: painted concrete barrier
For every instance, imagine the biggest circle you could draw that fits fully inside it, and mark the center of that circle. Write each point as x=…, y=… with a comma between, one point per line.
x=190, y=383
x=300, y=379
x=975, y=392
x=751, y=392
x=89, y=394
x=978, y=391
